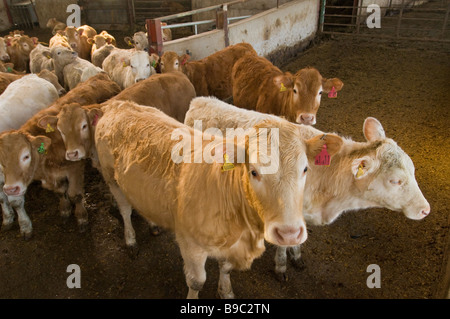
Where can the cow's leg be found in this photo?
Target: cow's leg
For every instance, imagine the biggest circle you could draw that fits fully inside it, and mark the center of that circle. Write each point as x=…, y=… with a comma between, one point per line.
x=8, y=213
x=75, y=192
x=194, y=258
x=297, y=261
x=65, y=207
x=125, y=210
x=225, y=290
x=26, y=228
x=154, y=229
x=280, y=263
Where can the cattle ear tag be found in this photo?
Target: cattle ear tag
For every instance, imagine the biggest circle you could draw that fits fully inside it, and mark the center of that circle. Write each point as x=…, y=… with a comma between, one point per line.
x=9, y=69
x=360, y=171
x=227, y=165
x=333, y=93
x=323, y=158
x=282, y=88
x=125, y=64
x=49, y=128
x=41, y=149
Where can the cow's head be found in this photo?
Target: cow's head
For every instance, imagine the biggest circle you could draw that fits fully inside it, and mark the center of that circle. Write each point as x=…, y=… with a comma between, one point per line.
x=385, y=173
x=62, y=55
x=4, y=56
x=303, y=92
x=20, y=153
x=170, y=61
x=139, y=41
x=275, y=179
x=73, y=36
x=142, y=65
x=53, y=79
x=77, y=126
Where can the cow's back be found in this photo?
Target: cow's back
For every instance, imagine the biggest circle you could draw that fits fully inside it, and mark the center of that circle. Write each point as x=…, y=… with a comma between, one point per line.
x=251, y=79
x=169, y=92
x=133, y=144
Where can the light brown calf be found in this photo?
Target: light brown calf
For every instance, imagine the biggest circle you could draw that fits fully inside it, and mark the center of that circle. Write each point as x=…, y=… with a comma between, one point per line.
x=261, y=86
x=19, y=49
x=210, y=76
x=78, y=40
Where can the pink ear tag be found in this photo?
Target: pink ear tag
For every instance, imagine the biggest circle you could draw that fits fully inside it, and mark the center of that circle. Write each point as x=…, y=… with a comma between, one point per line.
x=333, y=93
x=323, y=158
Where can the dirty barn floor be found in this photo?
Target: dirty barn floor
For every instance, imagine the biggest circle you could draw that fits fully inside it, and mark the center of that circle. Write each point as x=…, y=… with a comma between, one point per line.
x=404, y=85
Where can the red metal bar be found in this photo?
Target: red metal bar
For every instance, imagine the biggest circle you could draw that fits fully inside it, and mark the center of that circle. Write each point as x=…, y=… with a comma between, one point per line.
x=154, y=36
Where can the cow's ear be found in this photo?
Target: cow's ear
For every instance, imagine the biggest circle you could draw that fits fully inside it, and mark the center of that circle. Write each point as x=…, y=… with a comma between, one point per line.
x=94, y=115
x=90, y=41
x=35, y=40
x=314, y=145
x=129, y=41
x=80, y=32
x=184, y=58
x=48, y=123
x=328, y=84
x=362, y=167
x=284, y=82
x=373, y=130
x=40, y=143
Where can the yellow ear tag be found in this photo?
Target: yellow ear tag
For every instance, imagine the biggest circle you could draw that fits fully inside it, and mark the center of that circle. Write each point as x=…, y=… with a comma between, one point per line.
x=360, y=171
x=49, y=57
x=130, y=44
x=49, y=128
x=282, y=88
x=227, y=165
x=124, y=64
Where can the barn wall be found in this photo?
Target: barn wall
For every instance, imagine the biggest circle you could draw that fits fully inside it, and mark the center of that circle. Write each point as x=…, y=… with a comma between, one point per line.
x=293, y=24
x=46, y=9
x=4, y=21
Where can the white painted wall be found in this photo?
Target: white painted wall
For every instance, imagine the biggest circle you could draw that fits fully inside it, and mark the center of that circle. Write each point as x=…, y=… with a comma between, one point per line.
x=267, y=31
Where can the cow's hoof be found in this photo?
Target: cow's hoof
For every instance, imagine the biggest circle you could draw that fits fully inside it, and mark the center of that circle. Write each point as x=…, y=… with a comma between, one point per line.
x=6, y=227
x=133, y=251
x=83, y=227
x=228, y=295
x=298, y=264
x=155, y=230
x=281, y=276
x=27, y=235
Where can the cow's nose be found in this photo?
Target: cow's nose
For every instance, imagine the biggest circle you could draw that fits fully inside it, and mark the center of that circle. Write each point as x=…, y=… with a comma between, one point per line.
x=62, y=92
x=5, y=57
x=425, y=212
x=73, y=45
x=11, y=190
x=290, y=236
x=72, y=156
x=140, y=79
x=307, y=119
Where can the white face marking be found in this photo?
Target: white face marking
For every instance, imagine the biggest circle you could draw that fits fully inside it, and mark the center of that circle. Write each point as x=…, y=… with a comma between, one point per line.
x=176, y=64
x=319, y=94
x=84, y=127
x=24, y=159
x=62, y=135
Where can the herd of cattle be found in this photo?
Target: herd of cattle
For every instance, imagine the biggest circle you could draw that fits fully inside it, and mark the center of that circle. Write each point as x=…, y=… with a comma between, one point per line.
x=87, y=99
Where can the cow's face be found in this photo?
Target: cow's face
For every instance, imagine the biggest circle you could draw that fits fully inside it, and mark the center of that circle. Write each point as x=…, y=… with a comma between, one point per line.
x=76, y=126
x=170, y=61
x=19, y=155
x=386, y=176
x=63, y=55
x=73, y=36
x=303, y=92
x=4, y=56
x=140, y=41
x=140, y=65
x=276, y=182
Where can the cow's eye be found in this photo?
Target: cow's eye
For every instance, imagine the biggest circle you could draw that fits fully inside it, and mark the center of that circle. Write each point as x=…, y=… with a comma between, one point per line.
x=395, y=182
x=320, y=93
x=84, y=127
x=254, y=173
x=136, y=43
x=305, y=170
x=295, y=91
x=148, y=65
x=25, y=158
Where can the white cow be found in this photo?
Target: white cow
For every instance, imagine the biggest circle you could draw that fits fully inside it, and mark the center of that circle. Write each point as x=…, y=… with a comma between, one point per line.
x=41, y=59
x=23, y=98
x=126, y=67
x=375, y=173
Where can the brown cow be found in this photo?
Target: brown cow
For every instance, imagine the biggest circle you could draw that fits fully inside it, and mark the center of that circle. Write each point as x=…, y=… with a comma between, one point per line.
x=261, y=86
x=102, y=46
x=211, y=75
x=214, y=212
x=78, y=40
x=19, y=49
x=4, y=56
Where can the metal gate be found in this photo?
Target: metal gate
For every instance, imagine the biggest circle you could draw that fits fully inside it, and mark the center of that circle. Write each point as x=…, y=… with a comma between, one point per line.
x=419, y=20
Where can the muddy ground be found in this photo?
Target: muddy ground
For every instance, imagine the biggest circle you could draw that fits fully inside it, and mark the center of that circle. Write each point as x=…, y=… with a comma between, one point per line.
x=404, y=85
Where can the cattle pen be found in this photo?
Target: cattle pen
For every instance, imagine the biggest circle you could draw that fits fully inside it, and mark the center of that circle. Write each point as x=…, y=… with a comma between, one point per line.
x=398, y=75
